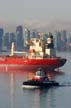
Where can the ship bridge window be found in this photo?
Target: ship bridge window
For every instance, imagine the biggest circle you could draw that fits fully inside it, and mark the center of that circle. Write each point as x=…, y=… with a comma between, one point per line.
x=37, y=40
x=40, y=73
x=32, y=43
x=39, y=43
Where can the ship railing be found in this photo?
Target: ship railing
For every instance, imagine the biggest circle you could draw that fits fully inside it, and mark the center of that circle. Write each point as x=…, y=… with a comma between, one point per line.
x=19, y=52
x=35, y=57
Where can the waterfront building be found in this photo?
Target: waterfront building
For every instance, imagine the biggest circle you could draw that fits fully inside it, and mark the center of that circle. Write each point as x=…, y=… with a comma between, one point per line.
x=12, y=39
x=58, y=40
x=34, y=34
x=19, y=38
x=6, y=41
x=45, y=35
x=26, y=38
x=63, y=40
x=69, y=43
x=1, y=37
x=70, y=39
x=64, y=36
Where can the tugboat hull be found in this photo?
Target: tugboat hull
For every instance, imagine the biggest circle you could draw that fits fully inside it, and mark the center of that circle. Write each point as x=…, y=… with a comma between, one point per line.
x=36, y=84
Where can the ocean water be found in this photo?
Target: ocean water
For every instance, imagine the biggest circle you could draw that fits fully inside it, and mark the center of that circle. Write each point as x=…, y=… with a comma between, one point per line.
x=13, y=96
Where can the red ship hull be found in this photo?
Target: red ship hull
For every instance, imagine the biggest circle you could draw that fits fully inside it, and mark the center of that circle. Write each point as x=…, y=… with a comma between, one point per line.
x=31, y=64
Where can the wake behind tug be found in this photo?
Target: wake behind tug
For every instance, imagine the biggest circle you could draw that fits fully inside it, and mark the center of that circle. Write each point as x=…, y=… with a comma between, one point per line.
x=39, y=81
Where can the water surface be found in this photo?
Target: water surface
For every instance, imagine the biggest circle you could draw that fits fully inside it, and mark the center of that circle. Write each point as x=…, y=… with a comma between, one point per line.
x=13, y=96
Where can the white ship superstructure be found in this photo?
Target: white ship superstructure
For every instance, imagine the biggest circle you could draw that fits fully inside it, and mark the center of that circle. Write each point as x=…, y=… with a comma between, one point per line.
x=42, y=49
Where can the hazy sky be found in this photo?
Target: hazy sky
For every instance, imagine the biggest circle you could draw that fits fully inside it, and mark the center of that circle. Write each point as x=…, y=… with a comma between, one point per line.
x=34, y=10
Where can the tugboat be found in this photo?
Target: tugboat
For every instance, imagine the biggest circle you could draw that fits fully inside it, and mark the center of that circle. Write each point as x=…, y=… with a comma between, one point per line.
x=39, y=81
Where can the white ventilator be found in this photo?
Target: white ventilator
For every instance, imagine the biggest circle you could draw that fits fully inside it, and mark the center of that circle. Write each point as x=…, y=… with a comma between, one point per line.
x=12, y=49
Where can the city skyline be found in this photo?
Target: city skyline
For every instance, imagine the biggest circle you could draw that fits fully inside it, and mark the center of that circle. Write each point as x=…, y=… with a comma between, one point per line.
x=21, y=38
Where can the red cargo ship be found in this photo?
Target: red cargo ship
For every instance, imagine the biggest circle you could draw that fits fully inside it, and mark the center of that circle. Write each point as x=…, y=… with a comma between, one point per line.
x=41, y=54
x=32, y=64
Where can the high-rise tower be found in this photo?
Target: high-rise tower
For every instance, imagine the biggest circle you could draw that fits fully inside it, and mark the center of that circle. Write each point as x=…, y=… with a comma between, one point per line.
x=12, y=38
x=6, y=41
x=58, y=40
x=19, y=37
x=1, y=37
x=26, y=38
